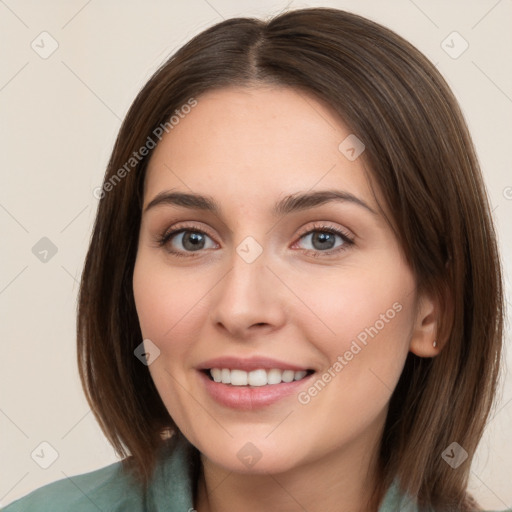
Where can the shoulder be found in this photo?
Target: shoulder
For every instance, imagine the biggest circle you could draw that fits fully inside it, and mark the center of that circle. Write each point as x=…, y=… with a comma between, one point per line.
x=113, y=489
x=396, y=500
x=108, y=489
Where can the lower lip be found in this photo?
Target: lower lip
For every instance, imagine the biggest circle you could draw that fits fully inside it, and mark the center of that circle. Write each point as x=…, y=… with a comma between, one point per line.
x=248, y=398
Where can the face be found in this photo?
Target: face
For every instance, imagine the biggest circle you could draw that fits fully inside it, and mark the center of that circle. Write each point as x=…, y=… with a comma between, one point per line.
x=303, y=311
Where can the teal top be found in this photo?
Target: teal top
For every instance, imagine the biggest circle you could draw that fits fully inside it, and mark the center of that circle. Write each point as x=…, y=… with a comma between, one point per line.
x=110, y=489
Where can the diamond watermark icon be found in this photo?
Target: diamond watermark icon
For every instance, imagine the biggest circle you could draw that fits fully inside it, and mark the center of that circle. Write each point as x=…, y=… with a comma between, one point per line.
x=44, y=250
x=249, y=249
x=249, y=455
x=454, y=455
x=454, y=45
x=351, y=147
x=44, y=455
x=147, y=352
x=44, y=45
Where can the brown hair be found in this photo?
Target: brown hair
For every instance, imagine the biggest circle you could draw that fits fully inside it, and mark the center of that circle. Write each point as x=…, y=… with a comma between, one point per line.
x=421, y=156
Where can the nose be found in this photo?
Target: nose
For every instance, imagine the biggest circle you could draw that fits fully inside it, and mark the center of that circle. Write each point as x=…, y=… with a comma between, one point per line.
x=249, y=299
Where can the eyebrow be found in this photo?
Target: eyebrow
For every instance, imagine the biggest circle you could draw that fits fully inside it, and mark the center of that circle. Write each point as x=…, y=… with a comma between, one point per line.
x=289, y=204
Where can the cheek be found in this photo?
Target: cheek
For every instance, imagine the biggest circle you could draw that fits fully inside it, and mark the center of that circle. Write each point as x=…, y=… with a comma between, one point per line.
x=168, y=309
x=369, y=313
x=358, y=304
x=373, y=321
x=372, y=325
x=168, y=302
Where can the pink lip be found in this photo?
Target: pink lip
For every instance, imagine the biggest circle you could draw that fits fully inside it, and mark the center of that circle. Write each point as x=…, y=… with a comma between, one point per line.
x=248, y=398
x=253, y=363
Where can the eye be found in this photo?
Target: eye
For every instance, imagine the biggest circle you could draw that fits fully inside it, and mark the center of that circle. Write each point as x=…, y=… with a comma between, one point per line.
x=322, y=239
x=179, y=241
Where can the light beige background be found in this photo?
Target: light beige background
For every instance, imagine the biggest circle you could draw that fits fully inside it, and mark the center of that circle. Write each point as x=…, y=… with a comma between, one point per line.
x=59, y=118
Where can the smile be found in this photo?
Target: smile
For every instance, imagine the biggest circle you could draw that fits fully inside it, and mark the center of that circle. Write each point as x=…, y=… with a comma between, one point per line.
x=249, y=384
x=258, y=377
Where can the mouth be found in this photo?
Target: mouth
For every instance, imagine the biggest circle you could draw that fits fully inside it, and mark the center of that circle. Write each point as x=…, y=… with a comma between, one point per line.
x=255, y=378
x=250, y=384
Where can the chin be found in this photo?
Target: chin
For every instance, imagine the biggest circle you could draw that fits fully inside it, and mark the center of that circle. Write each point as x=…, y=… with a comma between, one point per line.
x=250, y=460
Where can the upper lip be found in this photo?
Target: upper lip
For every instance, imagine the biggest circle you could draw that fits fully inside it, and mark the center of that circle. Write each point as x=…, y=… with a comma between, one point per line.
x=249, y=364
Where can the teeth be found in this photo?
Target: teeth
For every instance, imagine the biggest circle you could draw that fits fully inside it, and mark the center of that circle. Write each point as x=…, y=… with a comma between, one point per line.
x=225, y=376
x=288, y=376
x=216, y=374
x=256, y=377
x=238, y=377
x=274, y=376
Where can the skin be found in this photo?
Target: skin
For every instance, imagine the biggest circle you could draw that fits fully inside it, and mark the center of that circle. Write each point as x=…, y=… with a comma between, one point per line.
x=248, y=148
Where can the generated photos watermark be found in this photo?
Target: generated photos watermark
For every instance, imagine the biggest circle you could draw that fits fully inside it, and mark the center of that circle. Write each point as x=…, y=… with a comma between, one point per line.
x=356, y=346
x=143, y=151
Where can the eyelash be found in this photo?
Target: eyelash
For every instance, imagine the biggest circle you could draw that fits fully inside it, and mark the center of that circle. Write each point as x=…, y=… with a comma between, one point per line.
x=166, y=236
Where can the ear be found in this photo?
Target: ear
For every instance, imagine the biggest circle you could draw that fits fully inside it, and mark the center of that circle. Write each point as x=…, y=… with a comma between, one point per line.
x=426, y=327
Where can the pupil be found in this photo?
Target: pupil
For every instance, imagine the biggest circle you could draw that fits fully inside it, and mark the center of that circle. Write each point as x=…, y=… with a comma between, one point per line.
x=322, y=238
x=193, y=240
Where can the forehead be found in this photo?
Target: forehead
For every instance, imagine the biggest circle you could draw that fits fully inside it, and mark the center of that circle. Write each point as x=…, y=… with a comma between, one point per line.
x=256, y=142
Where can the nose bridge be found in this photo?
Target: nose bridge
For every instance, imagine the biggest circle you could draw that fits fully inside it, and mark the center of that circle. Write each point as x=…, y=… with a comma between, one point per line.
x=247, y=293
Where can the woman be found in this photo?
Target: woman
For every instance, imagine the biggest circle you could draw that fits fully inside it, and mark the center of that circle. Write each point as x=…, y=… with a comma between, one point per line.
x=292, y=297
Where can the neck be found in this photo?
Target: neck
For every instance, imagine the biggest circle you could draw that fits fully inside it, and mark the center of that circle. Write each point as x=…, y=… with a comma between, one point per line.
x=341, y=481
